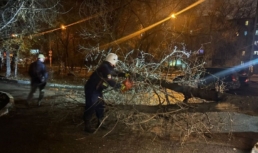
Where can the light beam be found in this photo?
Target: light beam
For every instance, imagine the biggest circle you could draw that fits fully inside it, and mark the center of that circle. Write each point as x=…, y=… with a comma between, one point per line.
x=235, y=68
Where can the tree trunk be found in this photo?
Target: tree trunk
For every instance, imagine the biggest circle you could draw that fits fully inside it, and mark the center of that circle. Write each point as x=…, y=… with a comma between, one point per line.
x=8, y=64
x=239, y=104
x=16, y=63
x=187, y=91
x=190, y=92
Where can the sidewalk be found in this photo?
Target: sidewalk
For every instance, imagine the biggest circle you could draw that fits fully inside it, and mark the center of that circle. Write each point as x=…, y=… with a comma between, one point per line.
x=19, y=90
x=27, y=82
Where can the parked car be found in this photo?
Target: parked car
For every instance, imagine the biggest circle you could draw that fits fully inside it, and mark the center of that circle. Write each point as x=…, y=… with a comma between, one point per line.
x=219, y=79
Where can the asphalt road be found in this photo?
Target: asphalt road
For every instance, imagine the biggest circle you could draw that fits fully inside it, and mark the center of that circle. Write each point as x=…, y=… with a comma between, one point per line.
x=39, y=119
x=47, y=128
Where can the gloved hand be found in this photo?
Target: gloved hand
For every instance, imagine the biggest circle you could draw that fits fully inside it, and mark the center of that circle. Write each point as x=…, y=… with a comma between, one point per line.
x=126, y=85
x=127, y=75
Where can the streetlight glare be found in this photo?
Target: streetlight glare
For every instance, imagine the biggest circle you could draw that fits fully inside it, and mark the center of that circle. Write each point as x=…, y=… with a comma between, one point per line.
x=63, y=27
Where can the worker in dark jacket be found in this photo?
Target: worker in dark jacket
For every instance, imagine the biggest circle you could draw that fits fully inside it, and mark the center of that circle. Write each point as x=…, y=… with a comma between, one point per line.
x=38, y=75
x=100, y=79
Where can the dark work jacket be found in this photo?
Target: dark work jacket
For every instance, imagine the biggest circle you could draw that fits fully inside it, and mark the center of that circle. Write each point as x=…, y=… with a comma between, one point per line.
x=38, y=72
x=101, y=78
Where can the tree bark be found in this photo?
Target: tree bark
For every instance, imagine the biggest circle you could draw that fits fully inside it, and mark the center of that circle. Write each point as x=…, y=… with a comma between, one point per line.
x=187, y=91
x=190, y=92
x=8, y=64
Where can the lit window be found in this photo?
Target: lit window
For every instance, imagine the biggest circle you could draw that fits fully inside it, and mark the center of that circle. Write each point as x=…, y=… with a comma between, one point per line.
x=243, y=53
x=246, y=22
x=256, y=32
x=245, y=33
x=255, y=52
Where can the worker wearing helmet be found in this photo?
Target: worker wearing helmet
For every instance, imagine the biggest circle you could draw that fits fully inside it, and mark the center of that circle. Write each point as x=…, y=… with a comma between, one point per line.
x=100, y=79
x=38, y=77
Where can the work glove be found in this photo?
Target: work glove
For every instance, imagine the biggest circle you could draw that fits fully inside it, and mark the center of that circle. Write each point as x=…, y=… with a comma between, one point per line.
x=127, y=75
x=126, y=85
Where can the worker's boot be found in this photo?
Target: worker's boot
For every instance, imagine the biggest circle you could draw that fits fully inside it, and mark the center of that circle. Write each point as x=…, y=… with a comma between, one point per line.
x=41, y=95
x=88, y=128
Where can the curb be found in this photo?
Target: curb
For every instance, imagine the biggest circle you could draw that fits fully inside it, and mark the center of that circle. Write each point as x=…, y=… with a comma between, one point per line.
x=8, y=80
x=26, y=82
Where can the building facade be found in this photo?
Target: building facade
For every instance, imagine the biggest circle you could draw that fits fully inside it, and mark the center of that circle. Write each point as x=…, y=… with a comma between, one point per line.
x=248, y=38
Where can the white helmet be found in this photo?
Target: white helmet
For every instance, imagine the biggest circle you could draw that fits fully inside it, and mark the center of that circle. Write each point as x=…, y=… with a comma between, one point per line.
x=112, y=58
x=41, y=56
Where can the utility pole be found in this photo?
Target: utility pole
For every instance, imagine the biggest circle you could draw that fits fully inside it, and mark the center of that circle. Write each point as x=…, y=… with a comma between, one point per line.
x=253, y=40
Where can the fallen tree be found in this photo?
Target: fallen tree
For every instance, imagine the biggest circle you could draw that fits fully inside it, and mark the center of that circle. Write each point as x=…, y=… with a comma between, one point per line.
x=189, y=92
x=156, y=102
